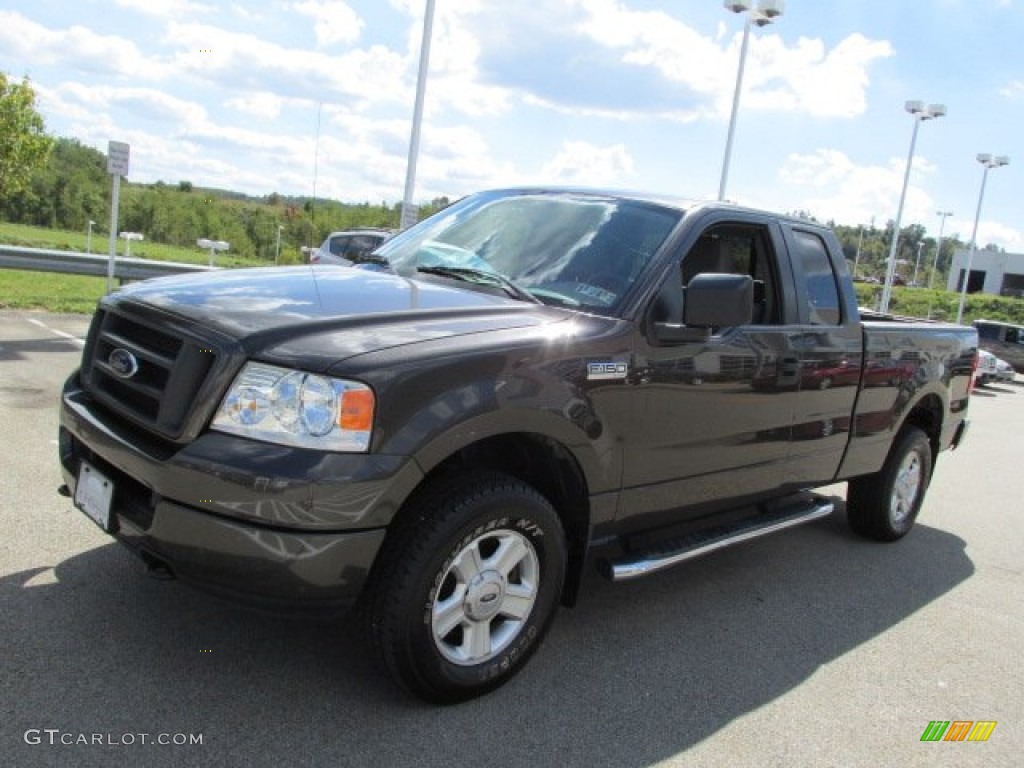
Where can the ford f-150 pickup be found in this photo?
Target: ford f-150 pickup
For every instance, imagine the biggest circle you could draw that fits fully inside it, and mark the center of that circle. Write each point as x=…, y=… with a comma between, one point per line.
x=529, y=383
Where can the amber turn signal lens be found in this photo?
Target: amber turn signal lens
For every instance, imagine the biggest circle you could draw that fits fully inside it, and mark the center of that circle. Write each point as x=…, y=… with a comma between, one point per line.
x=356, y=411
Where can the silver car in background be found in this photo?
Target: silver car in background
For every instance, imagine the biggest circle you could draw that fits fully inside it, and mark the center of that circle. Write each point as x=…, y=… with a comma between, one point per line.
x=350, y=246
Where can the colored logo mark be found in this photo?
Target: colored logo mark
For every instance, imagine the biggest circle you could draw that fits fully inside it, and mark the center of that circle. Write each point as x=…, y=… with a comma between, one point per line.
x=958, y=730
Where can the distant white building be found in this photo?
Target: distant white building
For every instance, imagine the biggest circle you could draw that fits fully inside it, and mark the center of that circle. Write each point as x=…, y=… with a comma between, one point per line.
x=1001, y=274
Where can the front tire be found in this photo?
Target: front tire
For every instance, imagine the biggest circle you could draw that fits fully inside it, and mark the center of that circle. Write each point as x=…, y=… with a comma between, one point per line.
x=884, y=506
x=467, y=585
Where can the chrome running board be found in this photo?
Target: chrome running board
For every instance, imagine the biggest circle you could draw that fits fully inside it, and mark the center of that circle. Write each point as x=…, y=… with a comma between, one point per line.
x=681, y=549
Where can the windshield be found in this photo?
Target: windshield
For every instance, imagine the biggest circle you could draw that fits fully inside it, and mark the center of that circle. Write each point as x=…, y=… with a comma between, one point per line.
x=569, y=249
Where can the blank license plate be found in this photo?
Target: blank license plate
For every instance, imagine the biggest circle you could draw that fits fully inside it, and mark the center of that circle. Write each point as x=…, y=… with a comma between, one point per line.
x=93, y=495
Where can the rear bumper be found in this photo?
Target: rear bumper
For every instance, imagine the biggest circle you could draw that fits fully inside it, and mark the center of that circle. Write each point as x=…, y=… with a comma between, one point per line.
x=283, y=528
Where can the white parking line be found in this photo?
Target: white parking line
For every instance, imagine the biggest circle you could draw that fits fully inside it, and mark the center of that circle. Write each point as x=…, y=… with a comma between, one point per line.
x=73, y=339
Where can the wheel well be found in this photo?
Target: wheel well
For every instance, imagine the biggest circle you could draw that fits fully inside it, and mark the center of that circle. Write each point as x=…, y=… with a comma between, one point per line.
x=927, y=416
x=547, y=466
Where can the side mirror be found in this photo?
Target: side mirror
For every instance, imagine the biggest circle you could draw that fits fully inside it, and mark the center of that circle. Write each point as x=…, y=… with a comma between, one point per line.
x=718, y=300
x=710, y=300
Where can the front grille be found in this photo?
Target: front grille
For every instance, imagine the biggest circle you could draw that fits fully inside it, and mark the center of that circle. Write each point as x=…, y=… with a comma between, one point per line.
x=161, y=392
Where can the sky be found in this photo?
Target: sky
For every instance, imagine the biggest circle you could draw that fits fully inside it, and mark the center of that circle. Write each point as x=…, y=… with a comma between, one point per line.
x=315, y=97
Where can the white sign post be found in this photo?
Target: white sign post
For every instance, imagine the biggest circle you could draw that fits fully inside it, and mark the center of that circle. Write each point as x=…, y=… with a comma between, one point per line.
x=117, y=166
x=213, y=245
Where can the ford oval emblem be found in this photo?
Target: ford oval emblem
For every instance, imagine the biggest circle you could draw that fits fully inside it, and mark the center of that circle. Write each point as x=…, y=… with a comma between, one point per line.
x=123, y=363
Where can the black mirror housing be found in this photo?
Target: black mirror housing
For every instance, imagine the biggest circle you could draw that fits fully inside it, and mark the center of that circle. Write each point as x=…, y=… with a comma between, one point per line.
x=718, y=300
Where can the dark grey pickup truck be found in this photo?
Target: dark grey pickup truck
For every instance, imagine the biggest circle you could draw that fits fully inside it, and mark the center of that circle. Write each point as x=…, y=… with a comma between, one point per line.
x=531, y=382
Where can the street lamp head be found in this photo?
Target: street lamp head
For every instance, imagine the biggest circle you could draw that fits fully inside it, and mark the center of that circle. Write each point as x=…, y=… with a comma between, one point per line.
x=771, y=8
x=736, y=7
x=922, y=112
x=993, y=162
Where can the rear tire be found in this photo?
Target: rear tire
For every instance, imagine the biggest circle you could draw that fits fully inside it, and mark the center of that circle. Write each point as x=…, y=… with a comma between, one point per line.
x=466, y=586
x=883, y=506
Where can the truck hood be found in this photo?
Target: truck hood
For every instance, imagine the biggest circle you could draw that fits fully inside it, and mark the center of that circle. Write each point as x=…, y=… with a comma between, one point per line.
x=320, y=315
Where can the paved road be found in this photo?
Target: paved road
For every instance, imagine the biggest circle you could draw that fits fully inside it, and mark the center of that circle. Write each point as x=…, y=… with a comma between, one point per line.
x=810, y=648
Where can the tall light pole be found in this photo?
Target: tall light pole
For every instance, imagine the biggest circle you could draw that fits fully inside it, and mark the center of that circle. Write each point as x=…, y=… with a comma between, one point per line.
x=88, y=237
x=408, y=210
x=920, y=113
x=917, y=262
x=856, y=257
x=766, y=12
x=989, y=162
x=277, y=245
x=938, y=246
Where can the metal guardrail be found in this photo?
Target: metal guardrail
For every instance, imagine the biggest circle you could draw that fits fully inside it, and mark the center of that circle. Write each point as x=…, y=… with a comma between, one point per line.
x=73, y=263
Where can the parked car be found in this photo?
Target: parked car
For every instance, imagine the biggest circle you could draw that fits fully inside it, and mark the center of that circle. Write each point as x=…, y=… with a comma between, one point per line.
x=987, y=370
x=1005, y=340
x=1004, y=371
x=537, y=381
x=350, y=246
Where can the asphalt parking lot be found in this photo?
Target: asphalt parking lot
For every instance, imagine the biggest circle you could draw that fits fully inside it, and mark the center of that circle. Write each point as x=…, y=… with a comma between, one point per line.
x=809, y=648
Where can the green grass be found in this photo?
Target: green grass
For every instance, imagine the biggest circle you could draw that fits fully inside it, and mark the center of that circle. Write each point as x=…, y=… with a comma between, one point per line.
x=67, y=240
x=57, y=292
x=52, y=292
x=942, y=305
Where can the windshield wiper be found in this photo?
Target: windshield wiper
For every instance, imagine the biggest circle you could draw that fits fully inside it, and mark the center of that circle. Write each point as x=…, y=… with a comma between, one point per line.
x=471, y=275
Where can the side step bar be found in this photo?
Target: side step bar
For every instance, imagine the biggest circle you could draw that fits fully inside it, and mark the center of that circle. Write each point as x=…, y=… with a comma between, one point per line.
x=684, y=548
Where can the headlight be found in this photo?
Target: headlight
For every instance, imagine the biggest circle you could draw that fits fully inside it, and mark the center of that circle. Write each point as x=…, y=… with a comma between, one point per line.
x=279, y=405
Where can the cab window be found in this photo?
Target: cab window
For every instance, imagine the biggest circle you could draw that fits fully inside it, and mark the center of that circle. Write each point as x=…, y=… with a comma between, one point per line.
x=738, y=249
x=819, y=278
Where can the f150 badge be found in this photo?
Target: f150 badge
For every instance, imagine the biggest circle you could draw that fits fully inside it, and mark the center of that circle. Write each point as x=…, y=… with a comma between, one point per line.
x=606, y=371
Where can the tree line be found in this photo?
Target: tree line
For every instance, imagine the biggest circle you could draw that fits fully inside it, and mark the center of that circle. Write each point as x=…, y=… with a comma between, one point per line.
x=72, y=188
x=62, y=184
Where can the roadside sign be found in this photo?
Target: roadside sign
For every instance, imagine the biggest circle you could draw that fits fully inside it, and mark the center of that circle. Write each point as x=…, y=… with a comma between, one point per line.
x=410, y=215
x=117, y=158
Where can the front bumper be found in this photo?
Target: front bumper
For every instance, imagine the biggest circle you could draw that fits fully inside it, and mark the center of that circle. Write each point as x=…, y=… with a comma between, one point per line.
x=284, y=527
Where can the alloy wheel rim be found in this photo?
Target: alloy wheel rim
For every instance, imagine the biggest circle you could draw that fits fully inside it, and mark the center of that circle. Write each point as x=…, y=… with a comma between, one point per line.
x=485, y=597
x=905, y=488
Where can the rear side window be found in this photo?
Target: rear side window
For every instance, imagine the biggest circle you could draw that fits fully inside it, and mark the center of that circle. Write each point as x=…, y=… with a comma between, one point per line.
x=339, y=245
x=822, y=288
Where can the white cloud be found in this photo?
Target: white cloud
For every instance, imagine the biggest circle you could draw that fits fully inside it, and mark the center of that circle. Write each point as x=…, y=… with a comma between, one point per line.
x=999, y=234
x=165, y=8
x=831, y=186
x=454, y=78
x=259, y=104
x=243, y=62
x=804, y=77
x=579, y=162
x=76, y=47
x=1013, y=90
x=334, y=21
x=146, y=103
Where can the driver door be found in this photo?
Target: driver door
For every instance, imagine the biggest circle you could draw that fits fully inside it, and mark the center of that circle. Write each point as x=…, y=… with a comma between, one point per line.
x=715, y=414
